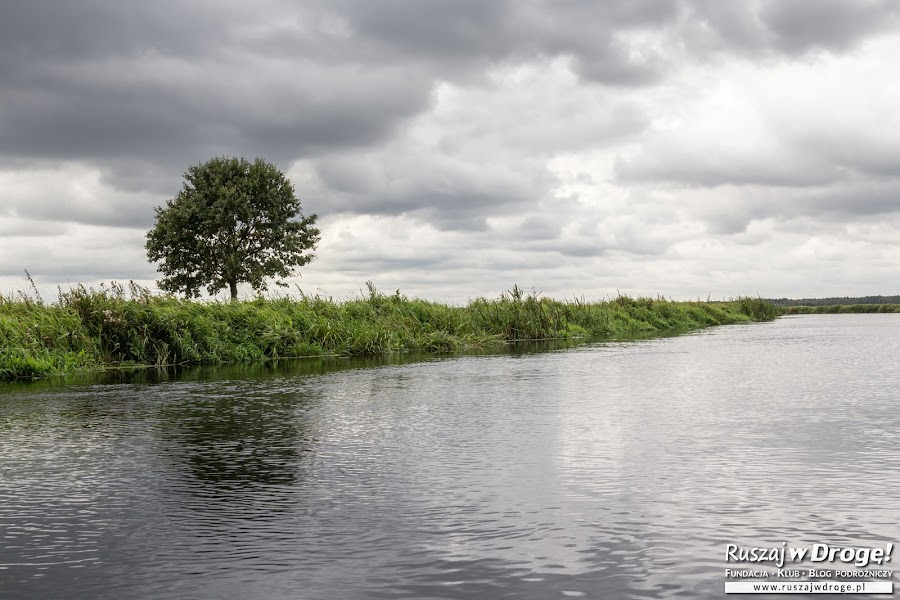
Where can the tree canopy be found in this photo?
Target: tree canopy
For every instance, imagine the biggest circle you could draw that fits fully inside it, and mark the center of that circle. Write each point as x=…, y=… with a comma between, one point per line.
x=232, y=222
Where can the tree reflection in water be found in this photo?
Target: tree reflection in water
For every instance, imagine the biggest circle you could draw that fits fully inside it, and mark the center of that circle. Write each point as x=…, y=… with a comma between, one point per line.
x=241, y=440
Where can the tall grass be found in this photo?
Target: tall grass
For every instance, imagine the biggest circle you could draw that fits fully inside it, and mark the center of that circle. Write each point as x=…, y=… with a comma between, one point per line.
x=839, y=309
x=115, y=326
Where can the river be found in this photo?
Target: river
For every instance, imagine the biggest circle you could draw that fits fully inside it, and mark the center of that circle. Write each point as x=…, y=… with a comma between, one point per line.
x=604, y=470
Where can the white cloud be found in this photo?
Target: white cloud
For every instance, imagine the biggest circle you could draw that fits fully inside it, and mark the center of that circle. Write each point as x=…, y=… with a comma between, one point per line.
x=693, y=149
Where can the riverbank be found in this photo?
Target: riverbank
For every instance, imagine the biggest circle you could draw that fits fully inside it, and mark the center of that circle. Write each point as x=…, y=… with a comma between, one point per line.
x=839, y=309
x=88, y=329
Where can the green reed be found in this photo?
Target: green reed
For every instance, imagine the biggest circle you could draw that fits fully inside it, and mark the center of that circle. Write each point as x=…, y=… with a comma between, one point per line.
x=839, y=309
x=87, y=329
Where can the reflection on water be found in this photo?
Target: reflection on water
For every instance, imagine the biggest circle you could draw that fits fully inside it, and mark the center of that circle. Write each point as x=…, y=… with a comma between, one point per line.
x=615, y=470
x=228, y=439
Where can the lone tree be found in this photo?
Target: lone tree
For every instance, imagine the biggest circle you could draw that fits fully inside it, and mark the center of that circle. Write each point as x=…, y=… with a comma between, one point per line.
x=233, y=221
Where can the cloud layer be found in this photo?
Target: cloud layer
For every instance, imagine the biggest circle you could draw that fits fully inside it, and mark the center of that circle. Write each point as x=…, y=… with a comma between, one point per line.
x=453, y=148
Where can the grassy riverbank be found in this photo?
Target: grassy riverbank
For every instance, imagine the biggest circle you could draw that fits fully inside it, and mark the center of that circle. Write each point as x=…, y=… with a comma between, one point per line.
x=92, y=329
x=839, y=309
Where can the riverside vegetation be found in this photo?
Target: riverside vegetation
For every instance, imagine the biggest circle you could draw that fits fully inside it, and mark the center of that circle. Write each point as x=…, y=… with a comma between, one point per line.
x=833, y=309
x=88, y=329
x=837, y=305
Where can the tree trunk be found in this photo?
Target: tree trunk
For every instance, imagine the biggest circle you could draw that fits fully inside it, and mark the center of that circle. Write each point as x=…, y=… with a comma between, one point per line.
x=233, y=286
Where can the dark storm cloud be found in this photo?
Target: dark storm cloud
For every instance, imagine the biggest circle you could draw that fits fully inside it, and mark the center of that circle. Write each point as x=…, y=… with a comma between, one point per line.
x=143, y=90
x=466, y=32
x=734, y=217
x=800, y=25
x=174, y=83
x=60, y=30
x=87, y=78
x=116, y=211
x=443, y=194
x=170, y=84
x=463, y=33
x=162, y=110
x=667, y=164
x=815, y=209
x=788, y=27
x=444, y=30
x=98, y=78
x=714, y=24
x=849, y=202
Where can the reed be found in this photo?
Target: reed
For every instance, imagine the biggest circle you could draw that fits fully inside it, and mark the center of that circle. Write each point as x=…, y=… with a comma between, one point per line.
x=839, y=309
x=116, y=325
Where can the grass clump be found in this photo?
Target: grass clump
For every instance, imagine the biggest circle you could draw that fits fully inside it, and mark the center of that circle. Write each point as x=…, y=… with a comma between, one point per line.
x=114, y=326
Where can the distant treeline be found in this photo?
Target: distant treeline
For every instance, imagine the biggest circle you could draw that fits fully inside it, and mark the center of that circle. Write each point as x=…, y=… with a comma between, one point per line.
x=835, y=301
x=840, y=309
x=89, y=329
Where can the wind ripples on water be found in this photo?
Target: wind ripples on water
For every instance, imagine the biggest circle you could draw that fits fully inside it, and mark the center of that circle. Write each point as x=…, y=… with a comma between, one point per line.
x=607, y=470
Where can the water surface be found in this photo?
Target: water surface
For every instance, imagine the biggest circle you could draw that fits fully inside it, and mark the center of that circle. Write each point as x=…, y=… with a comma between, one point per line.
x=609, y=470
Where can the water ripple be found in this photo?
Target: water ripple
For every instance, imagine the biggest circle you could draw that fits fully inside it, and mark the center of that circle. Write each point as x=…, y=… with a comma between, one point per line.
x=610, y=470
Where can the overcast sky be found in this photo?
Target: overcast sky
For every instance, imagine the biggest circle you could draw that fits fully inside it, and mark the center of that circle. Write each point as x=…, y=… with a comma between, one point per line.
x=453, y=148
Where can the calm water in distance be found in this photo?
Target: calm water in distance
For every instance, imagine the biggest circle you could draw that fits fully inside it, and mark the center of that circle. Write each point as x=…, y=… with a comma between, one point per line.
x=609, y=470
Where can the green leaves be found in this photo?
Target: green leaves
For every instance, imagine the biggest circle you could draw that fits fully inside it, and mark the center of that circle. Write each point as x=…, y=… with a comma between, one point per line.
x=233, y=221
